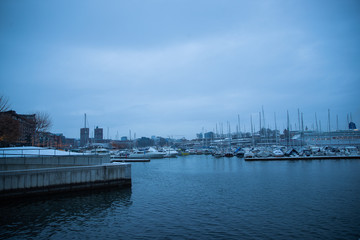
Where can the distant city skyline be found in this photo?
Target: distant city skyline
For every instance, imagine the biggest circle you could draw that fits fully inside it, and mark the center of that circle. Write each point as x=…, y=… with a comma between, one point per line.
x=178, y=68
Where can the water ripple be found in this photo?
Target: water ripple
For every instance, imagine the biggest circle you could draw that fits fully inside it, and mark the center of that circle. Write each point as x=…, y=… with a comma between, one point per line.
x=203, y=198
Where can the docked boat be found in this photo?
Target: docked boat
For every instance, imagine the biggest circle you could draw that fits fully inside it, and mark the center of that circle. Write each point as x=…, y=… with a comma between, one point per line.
x=169, y=152
x=218, y=154
x=249, y=154
x=277, y=153
x=263, y=154
x=146, y=154
x=239, y=152
x=229, y=154
x=100, y=151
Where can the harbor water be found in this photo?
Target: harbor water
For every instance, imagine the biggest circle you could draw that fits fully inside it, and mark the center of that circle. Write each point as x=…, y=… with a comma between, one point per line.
x=202, y=197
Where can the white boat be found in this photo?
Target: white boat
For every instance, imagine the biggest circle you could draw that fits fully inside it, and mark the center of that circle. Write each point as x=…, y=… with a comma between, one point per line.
x=169, y=152
x=277, y=153
x=146, y=154
x=249, y=154
x=100, y=151
x=351, y=151
x=263, y=154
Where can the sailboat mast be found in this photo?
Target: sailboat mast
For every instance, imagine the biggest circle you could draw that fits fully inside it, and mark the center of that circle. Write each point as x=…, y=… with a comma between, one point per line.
x=252, y=131
x=239, y=130
x=276, y=140
x=288, y=125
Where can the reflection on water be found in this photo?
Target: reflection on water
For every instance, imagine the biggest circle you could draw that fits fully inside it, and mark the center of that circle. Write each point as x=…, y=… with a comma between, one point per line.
x=200, y=197
x=44, y=216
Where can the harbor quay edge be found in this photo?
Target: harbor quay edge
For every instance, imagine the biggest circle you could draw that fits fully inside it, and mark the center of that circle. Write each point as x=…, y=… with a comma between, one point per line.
x=36, y=181
x=35, y=162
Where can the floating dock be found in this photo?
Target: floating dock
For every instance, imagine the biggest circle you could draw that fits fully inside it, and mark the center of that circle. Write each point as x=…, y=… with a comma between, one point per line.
x=302, y=158
x=128, y=160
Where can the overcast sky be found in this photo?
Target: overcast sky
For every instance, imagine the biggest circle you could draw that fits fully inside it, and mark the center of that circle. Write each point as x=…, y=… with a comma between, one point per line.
x=179, y=67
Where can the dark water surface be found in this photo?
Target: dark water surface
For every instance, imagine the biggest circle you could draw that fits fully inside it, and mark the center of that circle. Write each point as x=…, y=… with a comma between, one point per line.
x=201, y=197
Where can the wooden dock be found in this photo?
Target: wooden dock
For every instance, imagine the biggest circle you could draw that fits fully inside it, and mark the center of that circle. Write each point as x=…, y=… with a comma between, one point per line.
x=128, y=160
x=302, y=158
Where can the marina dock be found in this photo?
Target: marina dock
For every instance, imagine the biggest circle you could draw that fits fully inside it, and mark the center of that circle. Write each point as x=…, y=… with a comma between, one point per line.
x=302, y=158
x=128, y=160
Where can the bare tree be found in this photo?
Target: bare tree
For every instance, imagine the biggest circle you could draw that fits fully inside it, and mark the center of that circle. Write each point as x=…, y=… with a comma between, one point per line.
x=43, y=122
x=4, y=104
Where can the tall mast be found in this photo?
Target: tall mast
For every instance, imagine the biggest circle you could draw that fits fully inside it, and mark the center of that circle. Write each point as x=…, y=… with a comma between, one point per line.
x=329, y=120
x=288, y=125
x=263, y=116
x=329, y=124
x=252, y=132
x=299, y=119
x=302, y=129
x=276, y=141
x=264, y=126
x=260, y=121
x=239, y=130
x=216, y=131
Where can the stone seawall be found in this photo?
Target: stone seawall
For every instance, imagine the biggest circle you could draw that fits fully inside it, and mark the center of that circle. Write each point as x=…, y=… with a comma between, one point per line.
x=46, y=180
x=36, y=162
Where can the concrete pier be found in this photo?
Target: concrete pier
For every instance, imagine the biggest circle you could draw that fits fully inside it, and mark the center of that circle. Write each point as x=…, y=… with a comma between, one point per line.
x=36, y=162
x=24, y=176
x=36, y=181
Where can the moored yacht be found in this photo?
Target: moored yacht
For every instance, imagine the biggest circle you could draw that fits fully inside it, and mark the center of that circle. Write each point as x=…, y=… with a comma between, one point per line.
x=146, y=154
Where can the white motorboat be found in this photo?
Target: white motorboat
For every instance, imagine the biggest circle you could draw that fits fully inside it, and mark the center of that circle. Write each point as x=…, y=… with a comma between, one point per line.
x=277, y=153
x=249, y=154
x=169, y=152
x=100, y=151
x=146, y=154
